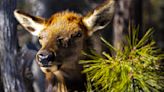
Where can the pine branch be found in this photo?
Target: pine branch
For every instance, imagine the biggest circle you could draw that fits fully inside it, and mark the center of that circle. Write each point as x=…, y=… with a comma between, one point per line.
x=133, y=69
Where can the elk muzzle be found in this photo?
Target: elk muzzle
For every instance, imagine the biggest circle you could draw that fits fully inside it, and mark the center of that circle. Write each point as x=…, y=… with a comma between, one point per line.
x=45, y=58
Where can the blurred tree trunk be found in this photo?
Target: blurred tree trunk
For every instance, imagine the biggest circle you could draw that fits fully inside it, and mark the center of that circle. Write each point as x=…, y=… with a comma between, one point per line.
x=127, y=12
x=10, y=74
x=121, y=23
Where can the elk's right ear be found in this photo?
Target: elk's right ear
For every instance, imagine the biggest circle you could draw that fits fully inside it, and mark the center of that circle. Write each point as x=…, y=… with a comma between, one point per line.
x=32, y=24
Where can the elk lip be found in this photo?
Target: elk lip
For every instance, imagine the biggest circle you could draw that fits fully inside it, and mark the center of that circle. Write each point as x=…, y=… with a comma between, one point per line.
x=46, y=65
x=49, y=69
x=50, y=64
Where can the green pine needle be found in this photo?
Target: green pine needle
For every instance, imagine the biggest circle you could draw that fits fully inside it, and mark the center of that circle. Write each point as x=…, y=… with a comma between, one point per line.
x=131, y=70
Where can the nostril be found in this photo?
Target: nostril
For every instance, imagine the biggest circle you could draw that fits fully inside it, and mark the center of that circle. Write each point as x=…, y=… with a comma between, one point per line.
x=51, y=57
x=46, y=57
x=42, y=57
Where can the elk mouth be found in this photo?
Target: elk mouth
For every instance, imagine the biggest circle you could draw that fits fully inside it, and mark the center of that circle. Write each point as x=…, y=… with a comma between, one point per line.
x=46, y=65
x=51, y=68
x=50, y=64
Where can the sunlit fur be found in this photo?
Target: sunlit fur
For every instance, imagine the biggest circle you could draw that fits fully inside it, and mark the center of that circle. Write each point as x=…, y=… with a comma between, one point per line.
x=63, y=25
x=66, y=34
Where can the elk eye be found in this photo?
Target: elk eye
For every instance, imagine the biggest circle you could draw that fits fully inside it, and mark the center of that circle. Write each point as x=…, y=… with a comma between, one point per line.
x=77, y=34
x=59, y=41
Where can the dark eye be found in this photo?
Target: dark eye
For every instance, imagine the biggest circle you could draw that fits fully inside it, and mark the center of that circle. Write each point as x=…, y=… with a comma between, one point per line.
x=77, y=34
x=61, y=42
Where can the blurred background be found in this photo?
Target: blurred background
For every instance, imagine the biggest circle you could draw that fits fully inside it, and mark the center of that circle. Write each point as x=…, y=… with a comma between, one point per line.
x=147, y=13
x=19, y=43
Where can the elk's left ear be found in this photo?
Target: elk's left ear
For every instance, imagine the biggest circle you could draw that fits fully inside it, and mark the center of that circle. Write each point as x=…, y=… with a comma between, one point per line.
x=33, y=24
x=100, y=17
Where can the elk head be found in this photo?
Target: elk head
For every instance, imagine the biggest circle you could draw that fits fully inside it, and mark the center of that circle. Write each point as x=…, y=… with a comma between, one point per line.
x=62, y=36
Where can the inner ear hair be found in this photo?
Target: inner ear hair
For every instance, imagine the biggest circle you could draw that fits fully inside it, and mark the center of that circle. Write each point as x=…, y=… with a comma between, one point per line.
x=33, y=24
x=30, y=29
x=100, y=17
x=36, y=19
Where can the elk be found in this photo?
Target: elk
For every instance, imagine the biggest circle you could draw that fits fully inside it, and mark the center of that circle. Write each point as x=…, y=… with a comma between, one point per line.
x=62, y=37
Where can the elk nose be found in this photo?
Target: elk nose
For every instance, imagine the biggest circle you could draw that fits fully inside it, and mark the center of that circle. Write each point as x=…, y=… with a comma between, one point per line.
x=46, y=58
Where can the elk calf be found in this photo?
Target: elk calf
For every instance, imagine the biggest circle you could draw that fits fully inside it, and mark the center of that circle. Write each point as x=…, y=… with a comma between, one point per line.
x=63, y=37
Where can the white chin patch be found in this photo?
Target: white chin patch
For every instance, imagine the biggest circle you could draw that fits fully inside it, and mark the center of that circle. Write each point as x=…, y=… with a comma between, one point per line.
x=51, y=69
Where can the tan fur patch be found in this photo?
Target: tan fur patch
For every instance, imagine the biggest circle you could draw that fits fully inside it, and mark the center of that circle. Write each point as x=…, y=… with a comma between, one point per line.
x=64, y=21
x=62, y=24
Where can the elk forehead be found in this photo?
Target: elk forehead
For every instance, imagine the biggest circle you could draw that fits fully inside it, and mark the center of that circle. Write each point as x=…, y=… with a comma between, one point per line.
x=64, y=23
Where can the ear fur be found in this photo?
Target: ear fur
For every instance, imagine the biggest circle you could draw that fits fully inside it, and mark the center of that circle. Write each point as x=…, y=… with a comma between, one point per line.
x=32, y=24
x=99, y=17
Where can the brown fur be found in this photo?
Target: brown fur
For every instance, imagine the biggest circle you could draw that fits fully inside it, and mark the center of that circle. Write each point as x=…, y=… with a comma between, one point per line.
x=63, y=25
x=64, y=36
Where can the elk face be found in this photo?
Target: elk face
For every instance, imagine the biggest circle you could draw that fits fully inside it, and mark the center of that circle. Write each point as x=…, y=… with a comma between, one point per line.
x=62, y=36
x=61, y=40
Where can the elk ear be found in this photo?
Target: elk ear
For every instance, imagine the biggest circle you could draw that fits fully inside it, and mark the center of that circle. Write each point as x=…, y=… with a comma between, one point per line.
x=100, y=17
x=32, y=24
